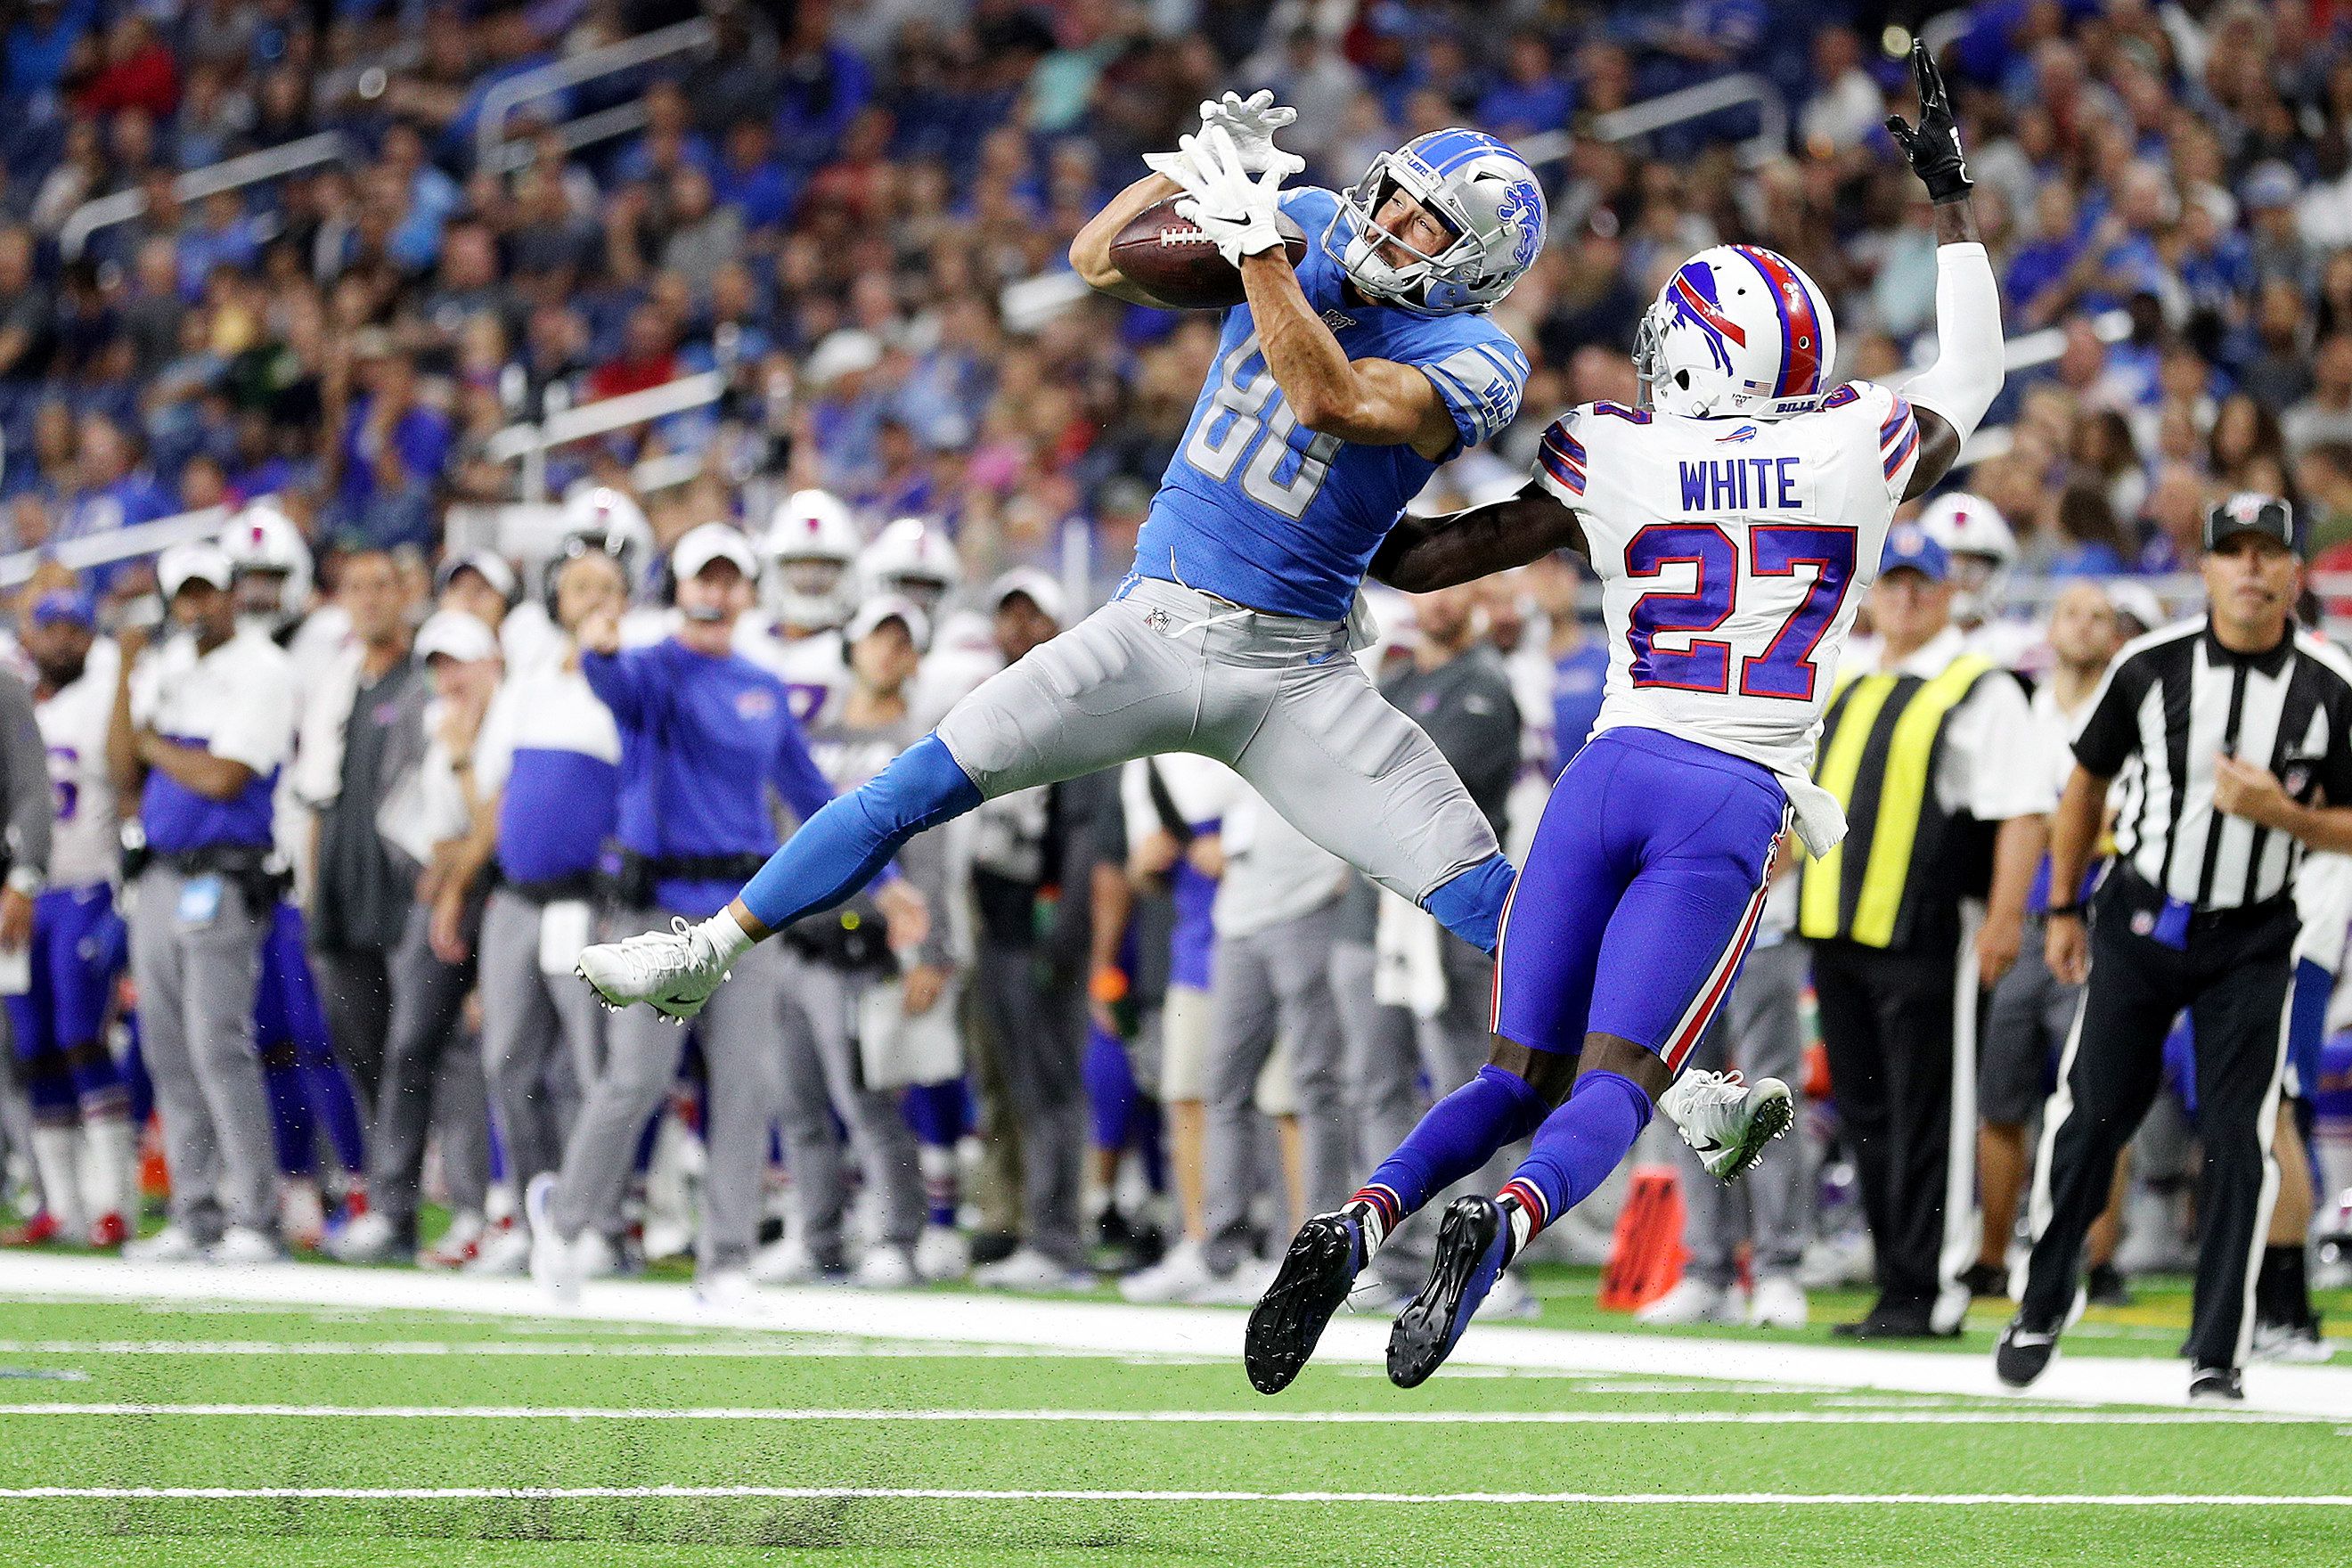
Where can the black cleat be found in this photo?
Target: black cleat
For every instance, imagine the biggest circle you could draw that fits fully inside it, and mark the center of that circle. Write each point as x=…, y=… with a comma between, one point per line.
x=1317, y=1274
x=2216, y=1386
x=2023, y=1353
x=2106, y=1287
x=1885, y=1322
x=1470, y=1246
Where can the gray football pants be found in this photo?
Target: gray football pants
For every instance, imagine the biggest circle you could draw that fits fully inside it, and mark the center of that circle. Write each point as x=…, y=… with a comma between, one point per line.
x=529, y=1019
x=196, y=984
x=822, y=1078
x=1388, y=1052
x=1036, y=1035
x=1271, y=984
x=737, y=1029
x=1277, y=699
x=432, y=1077
x=1759, y=1032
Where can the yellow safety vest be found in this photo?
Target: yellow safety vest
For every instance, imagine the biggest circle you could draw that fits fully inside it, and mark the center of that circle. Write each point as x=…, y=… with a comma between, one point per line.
x=1879, y=744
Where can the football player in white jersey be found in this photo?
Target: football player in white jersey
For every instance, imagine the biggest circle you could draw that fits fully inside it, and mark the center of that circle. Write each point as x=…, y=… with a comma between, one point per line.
x=808, y=593
x=1733, y=520
x=1983, y=548
x=83, y=1147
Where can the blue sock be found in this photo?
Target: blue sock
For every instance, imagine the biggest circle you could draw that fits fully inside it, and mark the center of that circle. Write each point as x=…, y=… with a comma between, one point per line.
x=1471, y=905
x=1575, y=1150
x=291, y=1128
x=1460, y=1134
x=839, y=849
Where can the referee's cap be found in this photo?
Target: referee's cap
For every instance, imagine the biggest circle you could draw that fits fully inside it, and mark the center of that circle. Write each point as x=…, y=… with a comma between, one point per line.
x=1909, y=548
x=2251, y=512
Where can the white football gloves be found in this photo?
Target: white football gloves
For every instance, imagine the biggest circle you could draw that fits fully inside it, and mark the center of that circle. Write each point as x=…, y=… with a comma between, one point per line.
x=1233, y=210
x=1251, y=122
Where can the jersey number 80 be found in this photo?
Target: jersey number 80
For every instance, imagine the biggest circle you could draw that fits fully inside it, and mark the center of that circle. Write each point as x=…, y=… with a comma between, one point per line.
x=1240, y=411
x=1785, y=669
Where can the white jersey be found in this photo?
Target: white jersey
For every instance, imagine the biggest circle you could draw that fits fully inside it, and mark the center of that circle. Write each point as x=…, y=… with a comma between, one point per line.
x=1733, y=554
x=85, y=845
x=815, y=667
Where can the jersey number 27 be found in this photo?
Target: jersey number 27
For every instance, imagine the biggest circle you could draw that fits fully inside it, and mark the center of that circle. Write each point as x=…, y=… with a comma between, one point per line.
x=1785, y=669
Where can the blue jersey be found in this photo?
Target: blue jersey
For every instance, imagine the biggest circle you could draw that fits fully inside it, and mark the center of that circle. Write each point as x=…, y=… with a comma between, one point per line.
x=1256, y=508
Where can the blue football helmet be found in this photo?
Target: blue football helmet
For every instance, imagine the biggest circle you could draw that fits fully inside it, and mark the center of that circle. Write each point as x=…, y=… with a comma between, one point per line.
x=1484, y=192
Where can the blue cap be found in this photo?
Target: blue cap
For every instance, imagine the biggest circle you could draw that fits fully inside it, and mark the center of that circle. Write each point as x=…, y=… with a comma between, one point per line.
x=1907, y=545
x=63, y=605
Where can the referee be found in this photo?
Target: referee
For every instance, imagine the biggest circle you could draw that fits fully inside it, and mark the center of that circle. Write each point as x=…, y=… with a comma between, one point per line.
x=2226, y=731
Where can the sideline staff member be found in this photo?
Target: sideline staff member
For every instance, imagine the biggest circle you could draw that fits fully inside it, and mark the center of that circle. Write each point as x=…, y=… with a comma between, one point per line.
x=1929, y=755
x=2198, y=912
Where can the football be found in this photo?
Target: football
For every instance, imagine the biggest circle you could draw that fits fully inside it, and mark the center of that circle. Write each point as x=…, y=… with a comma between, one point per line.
x=1179, y=266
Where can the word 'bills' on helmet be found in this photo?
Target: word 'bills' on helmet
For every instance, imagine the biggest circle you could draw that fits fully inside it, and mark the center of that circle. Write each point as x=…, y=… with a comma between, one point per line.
x=1736, y=331
x=812, y=542
x=1485, y=194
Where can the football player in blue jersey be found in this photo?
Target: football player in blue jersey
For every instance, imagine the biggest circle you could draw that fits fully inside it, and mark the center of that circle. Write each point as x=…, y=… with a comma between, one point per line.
x=1339, y=388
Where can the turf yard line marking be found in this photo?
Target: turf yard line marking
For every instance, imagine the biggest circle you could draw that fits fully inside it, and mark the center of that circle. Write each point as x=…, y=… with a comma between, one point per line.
x=961, y=1494
x=852, y=1350
x=2018, y=1417
x=1114, y=1328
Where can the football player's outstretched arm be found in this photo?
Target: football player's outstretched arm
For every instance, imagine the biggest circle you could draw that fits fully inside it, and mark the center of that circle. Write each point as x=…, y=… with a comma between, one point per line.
x=1090, y=251
x=1951, y=396
x=1371, y=401
x=1423, y=554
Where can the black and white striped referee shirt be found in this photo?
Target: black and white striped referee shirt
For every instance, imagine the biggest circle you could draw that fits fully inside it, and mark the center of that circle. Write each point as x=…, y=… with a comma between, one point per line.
x=2170, y=703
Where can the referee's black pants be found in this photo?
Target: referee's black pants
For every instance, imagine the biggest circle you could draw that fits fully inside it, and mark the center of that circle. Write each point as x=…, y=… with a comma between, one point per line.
x=1903, y=1072
x=2235, y=976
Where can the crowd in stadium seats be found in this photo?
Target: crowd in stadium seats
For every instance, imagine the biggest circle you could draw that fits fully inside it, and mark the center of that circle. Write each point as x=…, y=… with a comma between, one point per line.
x=853, y=217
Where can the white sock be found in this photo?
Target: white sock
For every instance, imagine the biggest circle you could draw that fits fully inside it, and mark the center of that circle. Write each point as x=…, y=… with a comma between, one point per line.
x=110, y=1157
x=726, y=938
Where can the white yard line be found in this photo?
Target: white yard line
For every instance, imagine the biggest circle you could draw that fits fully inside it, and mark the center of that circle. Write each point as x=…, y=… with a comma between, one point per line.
x=1115, y=1329
x=960, y=1494
x=2020, y=1416
x=724, y=1350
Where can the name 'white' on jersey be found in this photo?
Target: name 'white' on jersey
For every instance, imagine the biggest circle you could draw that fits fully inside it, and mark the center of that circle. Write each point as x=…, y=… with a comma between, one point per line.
x=1733, y=554
x=85, y=845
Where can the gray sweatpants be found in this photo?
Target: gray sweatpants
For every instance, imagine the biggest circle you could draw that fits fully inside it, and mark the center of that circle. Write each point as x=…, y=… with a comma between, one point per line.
x=1037, y=1038
x=821, y=1078
x=1759, y=1032
x=1388, y=1054
x=737, y=1029
x=529, y=1019
x=1271, y=984
x=1278, y=698
x=196, y=971
x=432, y=1077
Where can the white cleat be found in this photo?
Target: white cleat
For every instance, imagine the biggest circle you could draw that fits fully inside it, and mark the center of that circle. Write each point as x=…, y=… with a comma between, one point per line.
x=1695, y=1301
x=785, y=1261
x=1030, y=1270
x=673, y=972
x=1726, y=1121
x=885, y=1269
x=1778, y=1303
x=1182, y=1275
x=242, y=1247
x=942, y=1252
x=369, y=1239
x=505, y=1253
x=554, y=1262
x=175, y=1242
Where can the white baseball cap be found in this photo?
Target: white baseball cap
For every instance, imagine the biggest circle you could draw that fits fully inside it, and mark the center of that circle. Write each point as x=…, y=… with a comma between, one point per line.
x=197, y=560
x=455, y=634
x=713, y=542
x=1039, y=588
x=884, y=607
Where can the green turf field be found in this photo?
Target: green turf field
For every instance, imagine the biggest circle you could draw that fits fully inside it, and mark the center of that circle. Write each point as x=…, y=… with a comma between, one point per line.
x=785, y=1449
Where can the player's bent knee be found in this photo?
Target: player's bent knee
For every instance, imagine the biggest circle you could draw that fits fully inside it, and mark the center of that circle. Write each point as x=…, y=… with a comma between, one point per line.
x=923, y=786
x=1470, y=904
x=1551, y=1074
x=1614, y=1054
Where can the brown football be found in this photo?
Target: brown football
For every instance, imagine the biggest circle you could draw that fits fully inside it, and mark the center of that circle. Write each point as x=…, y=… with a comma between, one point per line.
x=1179, y=266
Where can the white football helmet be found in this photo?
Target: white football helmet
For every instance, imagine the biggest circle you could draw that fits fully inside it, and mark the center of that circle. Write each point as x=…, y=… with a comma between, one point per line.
x=914, y=558
x=1978, y=539
x=813, y=543
x=1736, y=331
x=1474, y=185
x=613, y=523
x=262, y=541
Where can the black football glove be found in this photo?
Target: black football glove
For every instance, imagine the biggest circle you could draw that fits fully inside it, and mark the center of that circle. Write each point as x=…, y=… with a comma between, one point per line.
x=1933, y=147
